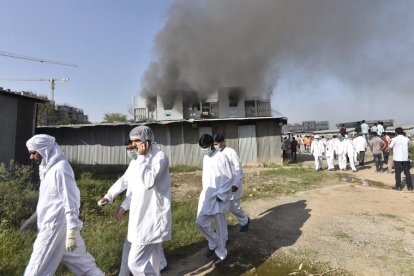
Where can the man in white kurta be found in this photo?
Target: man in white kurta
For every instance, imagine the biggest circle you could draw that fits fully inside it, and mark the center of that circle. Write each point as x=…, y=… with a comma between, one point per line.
x=360, y=144
x=57, y=214
x=214, y=201
x=318, y=150
x=341, y=150
x=149, y=200
x=237, y=187
x=350, y=151
x=330, y=153
x=117, y=188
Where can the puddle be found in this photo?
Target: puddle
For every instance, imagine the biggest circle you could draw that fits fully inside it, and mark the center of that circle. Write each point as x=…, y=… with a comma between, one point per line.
x=363, y=182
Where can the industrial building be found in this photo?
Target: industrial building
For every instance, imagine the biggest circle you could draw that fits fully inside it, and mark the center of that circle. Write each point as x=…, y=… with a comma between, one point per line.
x=17, y=124
x=306, y=126
x=226, y=102
x=67, y=112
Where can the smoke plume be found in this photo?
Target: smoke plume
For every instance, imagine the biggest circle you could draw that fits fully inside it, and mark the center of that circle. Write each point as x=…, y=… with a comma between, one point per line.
x=327, y=51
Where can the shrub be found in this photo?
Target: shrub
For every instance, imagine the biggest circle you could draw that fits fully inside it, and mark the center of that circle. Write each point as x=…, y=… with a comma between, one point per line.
x=18, y=196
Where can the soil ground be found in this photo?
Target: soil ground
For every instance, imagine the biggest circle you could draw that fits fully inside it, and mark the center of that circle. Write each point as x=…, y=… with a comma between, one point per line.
x=355, y=223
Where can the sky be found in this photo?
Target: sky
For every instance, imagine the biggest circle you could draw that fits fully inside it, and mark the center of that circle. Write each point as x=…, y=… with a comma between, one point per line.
x=318, y=59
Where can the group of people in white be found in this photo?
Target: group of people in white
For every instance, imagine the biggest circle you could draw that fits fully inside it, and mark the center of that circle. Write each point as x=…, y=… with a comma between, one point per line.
x=352, y=149
x=148, y=199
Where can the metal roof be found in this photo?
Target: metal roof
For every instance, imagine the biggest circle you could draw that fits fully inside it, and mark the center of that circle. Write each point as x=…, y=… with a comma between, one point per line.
x=14, y=94
x=164, y=122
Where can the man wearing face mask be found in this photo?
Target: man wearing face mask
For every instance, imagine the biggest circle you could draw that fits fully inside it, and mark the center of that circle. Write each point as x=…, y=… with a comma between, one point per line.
x=235, y=208
x=57, y=214
x=118, y=187
x=149, y=203
x=214, y=201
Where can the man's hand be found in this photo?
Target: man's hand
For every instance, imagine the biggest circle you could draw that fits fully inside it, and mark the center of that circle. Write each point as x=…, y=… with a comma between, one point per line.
x=119, y=213
x=71, y=240
x=234, y=188
x=103, y=201
x=25, y=228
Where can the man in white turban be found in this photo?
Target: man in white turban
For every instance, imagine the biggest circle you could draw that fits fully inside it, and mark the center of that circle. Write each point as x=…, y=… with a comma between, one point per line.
x=57, y=214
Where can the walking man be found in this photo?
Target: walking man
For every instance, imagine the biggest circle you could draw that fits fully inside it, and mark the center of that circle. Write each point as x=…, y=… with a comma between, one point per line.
x=361, y=145
x=117, y=188
x=377, y=145
x=365, y=130
x=236, y=188
x=400, y=145
x=57, y=212
x=214, y=201
x=318, y=150
x=149, y=202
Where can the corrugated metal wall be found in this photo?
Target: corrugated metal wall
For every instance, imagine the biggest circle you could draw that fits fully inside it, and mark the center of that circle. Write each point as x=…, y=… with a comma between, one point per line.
x=8, y=123
x=255, y=142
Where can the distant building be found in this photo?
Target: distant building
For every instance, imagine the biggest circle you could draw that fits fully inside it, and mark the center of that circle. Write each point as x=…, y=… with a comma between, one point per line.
x=17, y=124
x=66, y=112
x=307, y=126
x=226, y=102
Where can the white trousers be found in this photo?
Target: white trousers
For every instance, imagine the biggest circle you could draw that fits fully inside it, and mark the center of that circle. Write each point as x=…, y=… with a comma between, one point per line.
x=318, y=162
x=342, y=161
x=216, y=240
x=144, y=260
x=352, y=163
x=238, y=212
x=49, y=249
x=124, y=270
x=330, y=161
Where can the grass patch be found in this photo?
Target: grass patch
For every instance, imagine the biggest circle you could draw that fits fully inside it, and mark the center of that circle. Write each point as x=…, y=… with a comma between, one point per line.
x=342, y=235
x=281, y=181
x=183, y=169
x=390, y=216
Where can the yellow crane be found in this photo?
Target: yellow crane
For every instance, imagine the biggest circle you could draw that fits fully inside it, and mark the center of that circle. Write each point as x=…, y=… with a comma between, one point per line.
x=51, y=80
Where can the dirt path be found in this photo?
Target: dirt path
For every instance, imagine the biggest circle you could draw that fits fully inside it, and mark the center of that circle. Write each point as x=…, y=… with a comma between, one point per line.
x=361, y=226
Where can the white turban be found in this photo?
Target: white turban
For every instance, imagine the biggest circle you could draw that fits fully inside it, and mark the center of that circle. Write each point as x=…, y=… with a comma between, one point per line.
x=47, y=148
x=142, y=133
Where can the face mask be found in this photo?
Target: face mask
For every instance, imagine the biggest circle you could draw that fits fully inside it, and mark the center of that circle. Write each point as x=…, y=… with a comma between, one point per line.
x=132, y=154
x=207, y=151
x=217, y=147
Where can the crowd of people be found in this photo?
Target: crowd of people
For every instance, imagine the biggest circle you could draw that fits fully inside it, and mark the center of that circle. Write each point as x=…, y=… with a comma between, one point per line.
x=148, y=199
x=389, y=149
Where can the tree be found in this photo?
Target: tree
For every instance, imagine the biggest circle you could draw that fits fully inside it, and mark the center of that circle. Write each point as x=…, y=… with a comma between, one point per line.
x=46, y=114
x=115, y=117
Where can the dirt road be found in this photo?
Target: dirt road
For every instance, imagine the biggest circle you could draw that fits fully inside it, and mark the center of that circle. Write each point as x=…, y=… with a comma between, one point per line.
x=358, y=224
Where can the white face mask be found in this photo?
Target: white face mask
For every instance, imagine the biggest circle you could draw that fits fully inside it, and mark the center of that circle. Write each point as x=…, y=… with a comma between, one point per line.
x=207, y=151
x=132, y=154
x=217, y=147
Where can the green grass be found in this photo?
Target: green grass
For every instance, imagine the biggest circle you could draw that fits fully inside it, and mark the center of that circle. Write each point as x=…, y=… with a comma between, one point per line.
x=411, y=151
x=183, y=169
x=281, y=181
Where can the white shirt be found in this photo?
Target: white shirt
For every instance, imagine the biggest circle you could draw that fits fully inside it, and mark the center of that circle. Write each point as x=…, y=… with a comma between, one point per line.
x=59, y=198
x=330, y=148
x=237, y=169
x=149, y=196
x=380, y=130
x=364, y=128
x=341, y=147
x=350, y=150
x=360, y=143
x=400, y=145
x=317, y=148
x=217, y=181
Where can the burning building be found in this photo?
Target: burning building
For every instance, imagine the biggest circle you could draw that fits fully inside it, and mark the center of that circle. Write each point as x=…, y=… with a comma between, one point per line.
x=225, y=102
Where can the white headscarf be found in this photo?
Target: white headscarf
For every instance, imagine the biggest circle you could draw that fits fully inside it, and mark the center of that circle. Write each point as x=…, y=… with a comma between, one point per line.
x=46, y=146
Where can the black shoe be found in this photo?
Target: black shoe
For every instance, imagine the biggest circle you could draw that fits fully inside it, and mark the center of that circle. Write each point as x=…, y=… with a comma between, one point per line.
x=244, y=228
x=397, y=188
x=209, y=252
x=165, y=269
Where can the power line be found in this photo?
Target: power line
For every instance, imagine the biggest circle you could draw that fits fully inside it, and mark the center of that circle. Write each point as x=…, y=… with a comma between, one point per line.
x=13, y=55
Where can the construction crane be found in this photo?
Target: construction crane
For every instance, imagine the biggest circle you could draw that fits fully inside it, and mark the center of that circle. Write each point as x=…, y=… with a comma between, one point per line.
x=51, y=80
x=42, y=60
